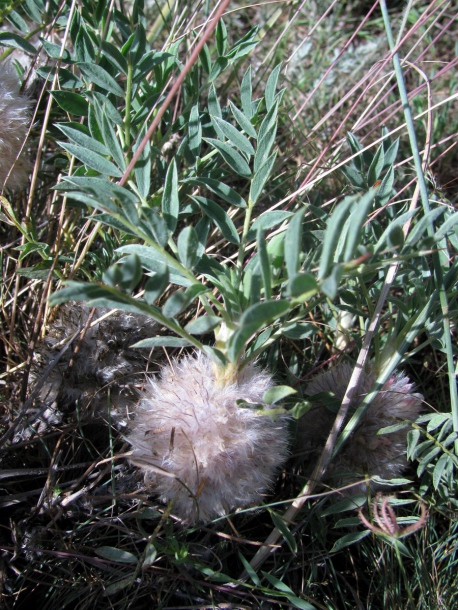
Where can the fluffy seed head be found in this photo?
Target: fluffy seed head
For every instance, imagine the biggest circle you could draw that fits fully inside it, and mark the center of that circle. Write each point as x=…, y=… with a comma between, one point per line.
x=14, y=113
x=198, y=447
x=99, y=368
x=365, y=452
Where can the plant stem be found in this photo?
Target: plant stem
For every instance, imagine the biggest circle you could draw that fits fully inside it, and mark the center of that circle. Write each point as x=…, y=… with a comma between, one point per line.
x=128, y=104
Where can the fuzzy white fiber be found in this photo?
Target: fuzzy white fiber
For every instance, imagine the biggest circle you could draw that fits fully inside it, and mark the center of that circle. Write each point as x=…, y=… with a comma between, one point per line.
x=14, y=113
x=365, y=452
x=216, y=455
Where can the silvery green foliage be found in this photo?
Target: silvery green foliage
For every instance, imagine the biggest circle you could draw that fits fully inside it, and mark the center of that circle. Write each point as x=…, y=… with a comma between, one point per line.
x=198, y=447
x=366, y=452
x=14, y=110
x=98, y=369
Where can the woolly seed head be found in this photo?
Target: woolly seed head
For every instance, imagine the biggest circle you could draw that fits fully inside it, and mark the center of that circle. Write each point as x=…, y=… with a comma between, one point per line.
x=14, y=112
x=198, y=447
x=365, y=452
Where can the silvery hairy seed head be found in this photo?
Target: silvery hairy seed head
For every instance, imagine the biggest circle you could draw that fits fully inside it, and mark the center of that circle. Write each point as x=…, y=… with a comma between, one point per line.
x=198, y=447
x=99, y=368
x=365, y=452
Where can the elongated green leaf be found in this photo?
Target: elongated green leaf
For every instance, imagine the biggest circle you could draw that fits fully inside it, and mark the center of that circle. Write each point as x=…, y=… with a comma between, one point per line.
x=182, y=299
x=205, y=59
x=447, y=226
x=344, y=505
x=194, y=131
x=80, y=138
x=300, y=603
x=114, y=554
x=9, y=39
x=261, y=177
x=253, y=319
x=278, y=584
x=92, y=159
x=357, y=218
x=155, y=226
x=219, y=217
x=394, y=224
x=114, y=56
x=202, y=229
x=202, y=325
x=231, y=156
x=294, y=241
x=220, y=189
x=391, y=153
x=331, y=235
x=170, y=201
x=162, y=342
x=268, y=123
x=97, y=75
x=299, y=330
x=188, y=243
x=376, y=166
x=264, y=312
x=84, y=47
x=266, y=221
x=73, y=103
x=277, y=393
x=243, y=121
x=423, y=225
x=150, y=555
x=214, y=109
x=215, y=355
x=330, y=285
x=234, y=136
x=148, y=61
x=221, y=37
x=54, y=50
x=284, y=531
x=438, y=420
x=302, y=286
x=266, y=269
x=246, y=94
x=349, y=539
x=110, y=221
x=219, y=66
x=143, y=165
x=250, y=571
x=243, y=46
x=156, y=285
x=113, y=145
x=98, y=204
x=439, y=469
x=386, y=188
x=354, y=176
x=126, y=274
x=18, y=22
x=67, y=80
x=153, y=260
x=109, y=108
x=271, y=87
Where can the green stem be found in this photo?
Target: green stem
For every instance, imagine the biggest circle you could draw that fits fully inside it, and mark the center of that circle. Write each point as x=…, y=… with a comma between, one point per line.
x=246, y=228
x=128, y=104
x=404, y=575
